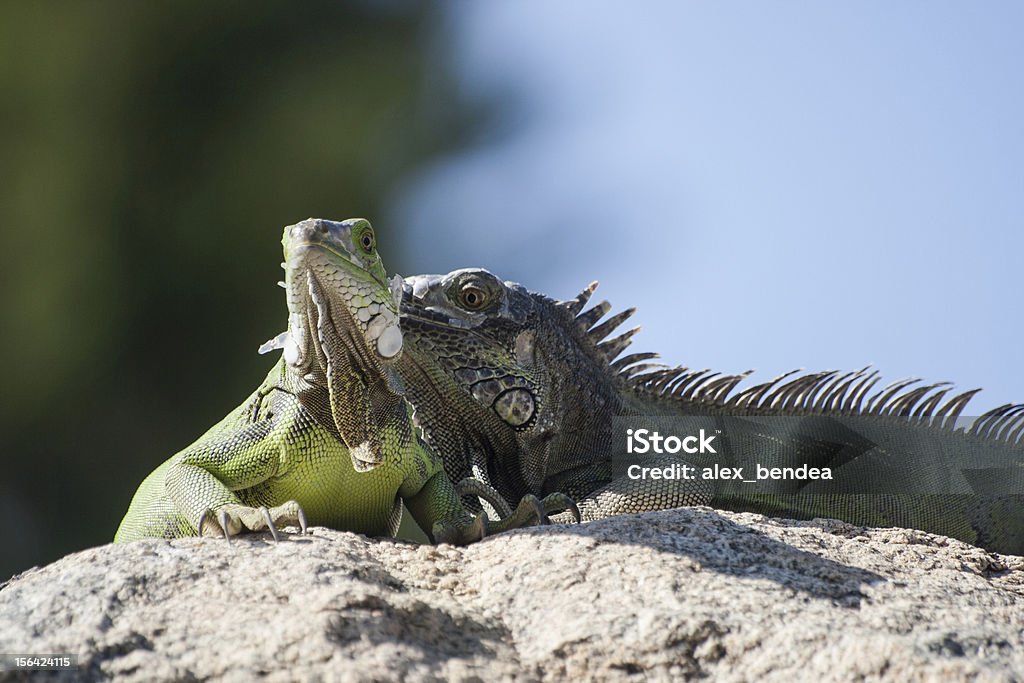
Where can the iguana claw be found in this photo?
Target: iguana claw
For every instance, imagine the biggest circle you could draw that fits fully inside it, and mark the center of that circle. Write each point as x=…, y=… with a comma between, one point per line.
x=223, y=519
x=232, y=519
x=270, y=523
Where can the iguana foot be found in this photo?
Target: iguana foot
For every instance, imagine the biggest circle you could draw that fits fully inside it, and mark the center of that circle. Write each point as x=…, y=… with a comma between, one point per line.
x=230, y=520
x=552, y=503
x=529, y=512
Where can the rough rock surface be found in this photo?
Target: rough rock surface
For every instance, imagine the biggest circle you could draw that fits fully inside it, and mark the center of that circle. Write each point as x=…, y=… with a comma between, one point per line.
x=660, y=596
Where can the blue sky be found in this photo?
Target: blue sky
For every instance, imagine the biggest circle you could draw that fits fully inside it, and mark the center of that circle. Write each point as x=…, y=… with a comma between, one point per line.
x=774, y=185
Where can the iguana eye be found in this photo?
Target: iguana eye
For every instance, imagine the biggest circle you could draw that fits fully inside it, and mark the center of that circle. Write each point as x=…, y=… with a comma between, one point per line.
x=473, y=298
x=366, y=240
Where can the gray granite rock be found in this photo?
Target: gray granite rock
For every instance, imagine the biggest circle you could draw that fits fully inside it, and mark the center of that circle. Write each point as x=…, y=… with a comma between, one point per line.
x=661, y=596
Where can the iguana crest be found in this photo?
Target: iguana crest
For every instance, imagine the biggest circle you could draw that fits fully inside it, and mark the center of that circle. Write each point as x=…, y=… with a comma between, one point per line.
x=792, y=393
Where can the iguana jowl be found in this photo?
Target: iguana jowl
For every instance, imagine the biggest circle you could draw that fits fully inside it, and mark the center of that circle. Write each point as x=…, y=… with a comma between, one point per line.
x=548, y=380
x=328, y=436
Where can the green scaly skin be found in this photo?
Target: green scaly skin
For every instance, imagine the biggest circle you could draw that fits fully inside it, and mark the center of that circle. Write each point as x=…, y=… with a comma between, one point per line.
x=327, y=438
x=537, y=383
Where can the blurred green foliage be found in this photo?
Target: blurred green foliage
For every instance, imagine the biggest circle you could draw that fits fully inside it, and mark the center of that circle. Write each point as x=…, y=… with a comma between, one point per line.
x=151, y=154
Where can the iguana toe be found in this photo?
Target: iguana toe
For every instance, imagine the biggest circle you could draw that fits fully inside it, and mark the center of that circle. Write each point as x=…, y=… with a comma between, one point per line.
x=471, y=486
x=559, y=502
x=444, y=532
x=529, y=512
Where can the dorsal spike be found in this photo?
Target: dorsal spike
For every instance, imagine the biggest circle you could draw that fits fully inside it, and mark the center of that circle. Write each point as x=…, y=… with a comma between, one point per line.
x=951, y=410
x=639, y=368
x=680, y=373
x=660, y=380
x=790, y=394
x=677, y=385
x=864, y=387
x=806, y=400
x=1007, y=422
x=752, y=397
x=575, y=305
x=627, y=360
x=803, y=395
x=598, y=333
x=799, y=389
x=693, y=389
x=903, y=405
x=613, y=347
x=922, y=405
x=589, y=318
x=837, y=396
x=877, y=405
x=824, y=402
x=778, y=396
x=826, y=392
x=1012, y=436
x=644, y=381
x=927, y=407
x=718, y=390
x=990, y=419
x=710, y=387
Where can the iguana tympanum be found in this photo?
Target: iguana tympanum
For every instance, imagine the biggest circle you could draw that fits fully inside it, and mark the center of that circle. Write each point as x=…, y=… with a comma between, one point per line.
x=327, y=438
x=542, y=390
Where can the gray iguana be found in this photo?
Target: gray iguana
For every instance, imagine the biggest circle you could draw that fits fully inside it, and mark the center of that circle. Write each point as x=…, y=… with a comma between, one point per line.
x=327, y=438
x=529, y=389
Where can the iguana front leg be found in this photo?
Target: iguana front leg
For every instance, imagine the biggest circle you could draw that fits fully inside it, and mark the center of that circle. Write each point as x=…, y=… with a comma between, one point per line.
x=232, y=456
x=220, y=512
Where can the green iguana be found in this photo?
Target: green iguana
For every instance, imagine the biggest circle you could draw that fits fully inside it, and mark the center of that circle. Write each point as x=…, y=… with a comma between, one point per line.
x=535, y=394
x=327, y=438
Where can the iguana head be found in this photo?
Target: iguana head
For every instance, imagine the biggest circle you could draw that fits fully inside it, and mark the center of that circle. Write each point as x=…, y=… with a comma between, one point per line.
x=529, y=360
x=481, y=330
x=337, y=262
x=343, y=328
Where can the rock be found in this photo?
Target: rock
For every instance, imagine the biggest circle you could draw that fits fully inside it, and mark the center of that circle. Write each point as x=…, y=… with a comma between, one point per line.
x=660, y=596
